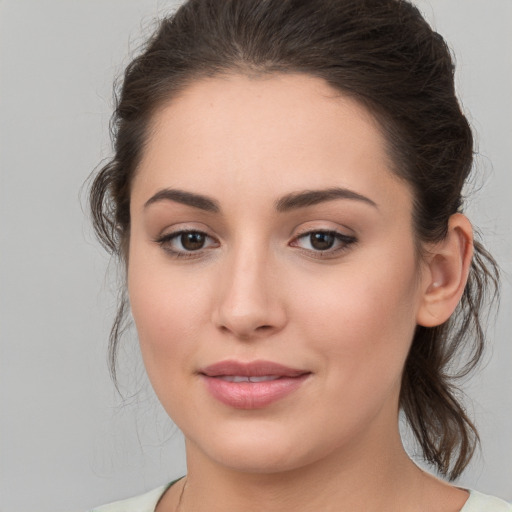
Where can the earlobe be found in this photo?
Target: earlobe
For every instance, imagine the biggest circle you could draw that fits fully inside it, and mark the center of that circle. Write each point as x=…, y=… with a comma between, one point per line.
x=446, y=273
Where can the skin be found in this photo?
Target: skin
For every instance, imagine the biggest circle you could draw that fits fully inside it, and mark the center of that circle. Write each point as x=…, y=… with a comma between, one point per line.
x=258, y=289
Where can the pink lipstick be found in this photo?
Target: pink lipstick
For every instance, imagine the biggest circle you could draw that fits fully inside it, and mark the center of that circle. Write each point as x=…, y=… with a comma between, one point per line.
x=251, y=385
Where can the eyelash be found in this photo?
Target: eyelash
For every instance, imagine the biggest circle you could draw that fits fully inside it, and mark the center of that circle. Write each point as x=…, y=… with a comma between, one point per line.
x=165, y=242
x=344, y=242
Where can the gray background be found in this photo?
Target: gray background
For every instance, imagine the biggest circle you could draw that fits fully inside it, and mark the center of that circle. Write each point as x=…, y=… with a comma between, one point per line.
x=67, y=441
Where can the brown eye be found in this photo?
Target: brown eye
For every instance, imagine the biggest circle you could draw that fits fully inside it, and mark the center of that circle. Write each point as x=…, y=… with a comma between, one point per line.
x=324, y=243
x=192, y=241
x=321, y=241
x=186, y=243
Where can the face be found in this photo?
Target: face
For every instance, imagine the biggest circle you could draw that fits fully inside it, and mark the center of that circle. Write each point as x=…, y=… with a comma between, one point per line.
x=272, y=272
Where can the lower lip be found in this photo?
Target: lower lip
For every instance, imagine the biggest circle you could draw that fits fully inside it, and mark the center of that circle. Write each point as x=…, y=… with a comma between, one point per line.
x=252, y=395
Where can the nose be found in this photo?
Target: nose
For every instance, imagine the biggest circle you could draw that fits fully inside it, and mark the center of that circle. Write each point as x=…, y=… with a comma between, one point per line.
x=249, y=302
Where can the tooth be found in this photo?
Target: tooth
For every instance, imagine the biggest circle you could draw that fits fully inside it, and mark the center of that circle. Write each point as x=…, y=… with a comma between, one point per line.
x=234, y=378
x=263, y=378
x=241, y=378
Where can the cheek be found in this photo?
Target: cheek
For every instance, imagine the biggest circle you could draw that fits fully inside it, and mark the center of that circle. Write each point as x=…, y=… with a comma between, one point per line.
x=168, y=316
x=167, y=309
x=363, y=318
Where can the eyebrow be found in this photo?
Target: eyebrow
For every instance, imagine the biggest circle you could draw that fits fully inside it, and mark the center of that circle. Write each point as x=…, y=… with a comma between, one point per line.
x=288, y=202
x=188, y=198
x=311, y=197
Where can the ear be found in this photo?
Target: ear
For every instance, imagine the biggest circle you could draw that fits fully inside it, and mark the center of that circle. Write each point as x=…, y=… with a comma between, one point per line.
x=446, y=272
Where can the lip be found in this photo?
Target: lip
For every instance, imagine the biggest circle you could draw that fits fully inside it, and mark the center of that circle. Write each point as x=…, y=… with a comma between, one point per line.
x=251, y=395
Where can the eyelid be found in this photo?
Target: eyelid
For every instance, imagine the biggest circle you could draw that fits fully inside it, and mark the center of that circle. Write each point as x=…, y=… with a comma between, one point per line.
x=165, y=239
x=183, y=227
x=344, y=239
x=342, y=242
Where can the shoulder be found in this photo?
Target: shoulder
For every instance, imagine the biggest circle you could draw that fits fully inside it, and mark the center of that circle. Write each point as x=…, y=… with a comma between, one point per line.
x=142, y=503
x=479, y=502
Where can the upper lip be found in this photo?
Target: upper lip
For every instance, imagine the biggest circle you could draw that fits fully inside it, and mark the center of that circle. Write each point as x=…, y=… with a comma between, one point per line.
x=258, y=368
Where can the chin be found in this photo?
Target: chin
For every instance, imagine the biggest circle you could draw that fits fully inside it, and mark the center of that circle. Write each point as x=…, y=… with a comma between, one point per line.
x=259, y=449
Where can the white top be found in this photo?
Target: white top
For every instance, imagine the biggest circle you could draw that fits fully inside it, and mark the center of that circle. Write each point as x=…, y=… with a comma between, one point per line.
x=477, y=502
x=142, y=503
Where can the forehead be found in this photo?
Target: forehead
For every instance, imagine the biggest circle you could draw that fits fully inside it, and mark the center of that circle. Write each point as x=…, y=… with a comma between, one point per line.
x=276, y=131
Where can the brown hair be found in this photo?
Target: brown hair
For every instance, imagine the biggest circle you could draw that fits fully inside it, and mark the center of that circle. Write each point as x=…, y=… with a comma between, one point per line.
x=383, y=54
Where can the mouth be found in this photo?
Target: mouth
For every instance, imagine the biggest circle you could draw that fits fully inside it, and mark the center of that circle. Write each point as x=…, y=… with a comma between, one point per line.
x=241, y=378
x=252, y=385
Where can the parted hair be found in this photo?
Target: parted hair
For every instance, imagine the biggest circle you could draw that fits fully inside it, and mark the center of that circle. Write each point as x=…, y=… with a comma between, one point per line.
x=381, y=53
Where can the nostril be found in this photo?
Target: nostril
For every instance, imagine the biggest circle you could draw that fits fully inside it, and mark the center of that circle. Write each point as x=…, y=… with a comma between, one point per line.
x=248, y=333
x=264, y=328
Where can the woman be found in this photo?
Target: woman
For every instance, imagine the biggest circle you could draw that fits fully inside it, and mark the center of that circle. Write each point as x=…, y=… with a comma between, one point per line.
x=286, y=197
